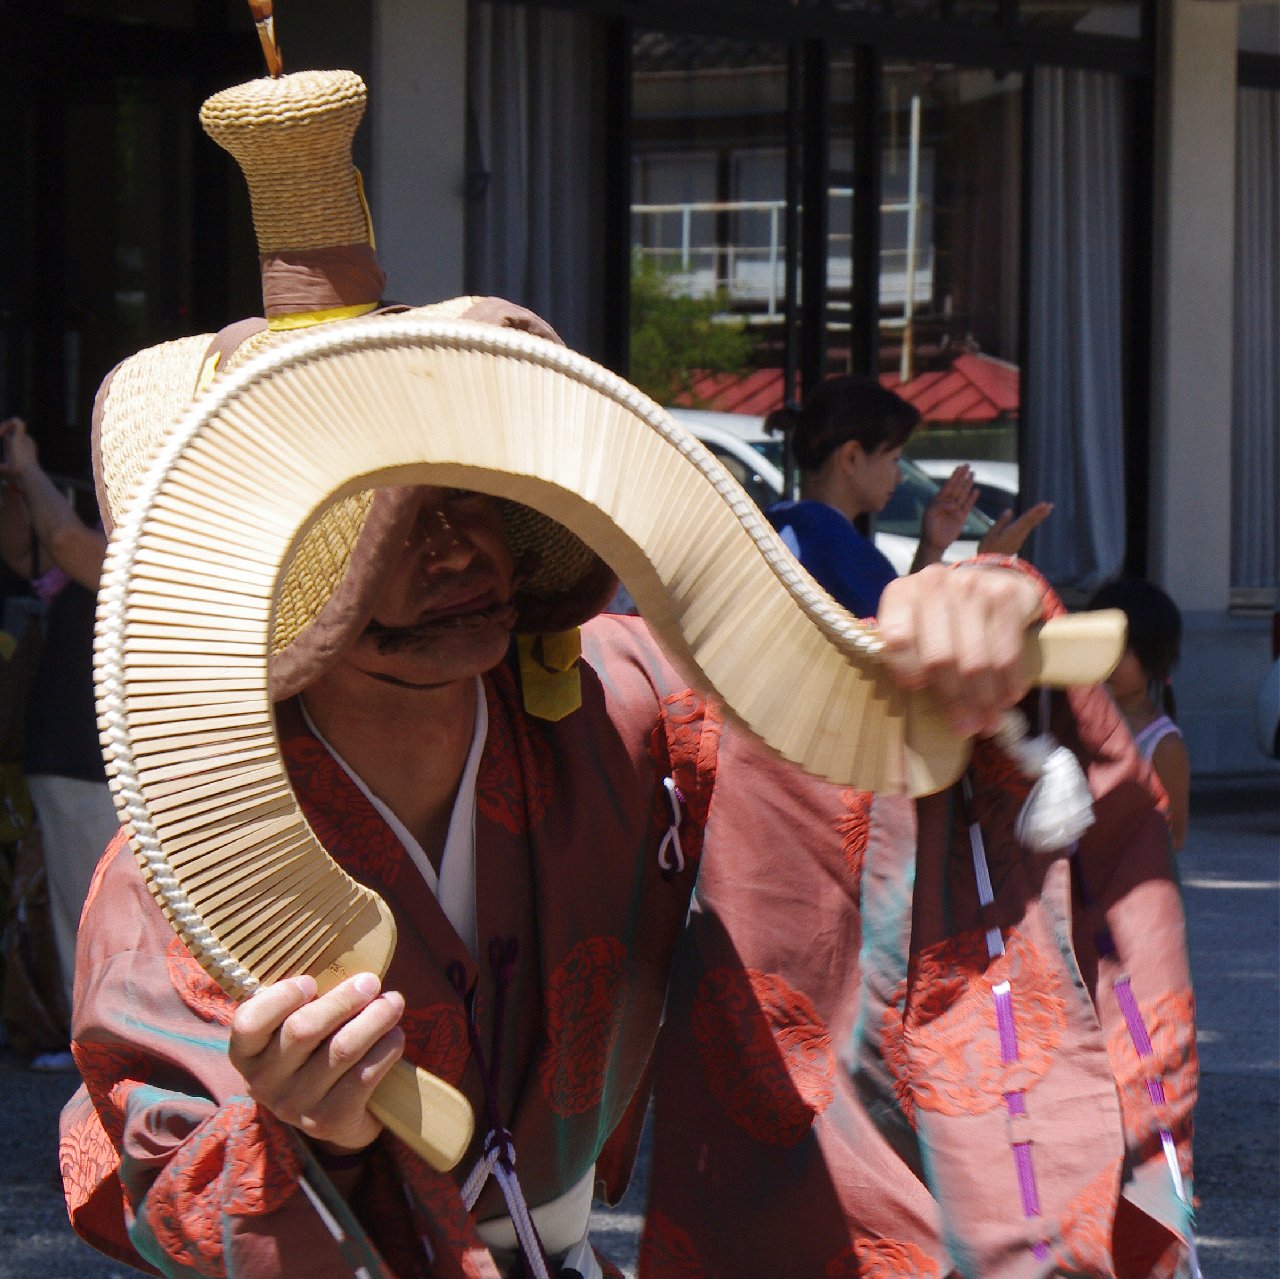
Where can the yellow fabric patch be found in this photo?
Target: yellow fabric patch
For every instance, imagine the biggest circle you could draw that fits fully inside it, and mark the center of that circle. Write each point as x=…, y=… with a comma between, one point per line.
x=549, y=674
x=305, y=319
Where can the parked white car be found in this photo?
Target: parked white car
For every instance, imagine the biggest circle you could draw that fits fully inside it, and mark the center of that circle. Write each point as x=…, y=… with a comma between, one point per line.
x=738, y=440
x=755, y=460
x=997, y=481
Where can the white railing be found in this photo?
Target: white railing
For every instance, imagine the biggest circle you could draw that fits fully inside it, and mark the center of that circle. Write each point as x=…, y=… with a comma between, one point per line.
x=750, y=269
x=751, y=274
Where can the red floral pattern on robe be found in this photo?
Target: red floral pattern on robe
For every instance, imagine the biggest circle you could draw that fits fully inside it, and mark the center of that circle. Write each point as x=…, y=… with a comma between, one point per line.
x=855, y=829
x=451, y=1231
x=110, y=1072
x=586, y=996
x=1173, y=1063
x=683, y=746
x=198, y=990
x=893, y=1049
x=514, y=784
x=1000, y=785
x=347, y=819
x=239, y=1161
x=952, y=1040
x=881, y=1259
x=1085, y=1227
x=436, y=1039
x=86, y=1157
x=766, y=1054
x=667, y=1252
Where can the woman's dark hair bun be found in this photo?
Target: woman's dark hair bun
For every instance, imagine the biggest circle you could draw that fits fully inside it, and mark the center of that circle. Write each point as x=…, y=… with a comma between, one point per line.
x=782, y=420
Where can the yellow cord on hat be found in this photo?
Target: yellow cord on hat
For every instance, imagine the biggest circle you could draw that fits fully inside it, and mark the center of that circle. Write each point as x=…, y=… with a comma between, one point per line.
x=550, y=677
x=305, y=319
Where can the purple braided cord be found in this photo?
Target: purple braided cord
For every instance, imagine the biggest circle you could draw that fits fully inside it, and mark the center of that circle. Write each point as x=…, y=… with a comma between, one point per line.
x=1016, y=1106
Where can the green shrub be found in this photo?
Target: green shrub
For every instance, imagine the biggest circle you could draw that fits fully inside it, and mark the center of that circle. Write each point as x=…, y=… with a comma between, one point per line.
x=674, y=336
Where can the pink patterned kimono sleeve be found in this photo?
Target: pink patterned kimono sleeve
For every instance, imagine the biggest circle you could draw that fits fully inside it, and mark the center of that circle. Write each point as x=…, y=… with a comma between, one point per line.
x=167, y=1165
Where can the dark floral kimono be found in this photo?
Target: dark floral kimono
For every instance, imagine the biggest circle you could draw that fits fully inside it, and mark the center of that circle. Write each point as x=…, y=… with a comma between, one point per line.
x=579, y=905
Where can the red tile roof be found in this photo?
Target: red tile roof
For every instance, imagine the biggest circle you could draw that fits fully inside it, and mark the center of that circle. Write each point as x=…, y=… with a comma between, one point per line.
x=759, y=392
x=974, y=388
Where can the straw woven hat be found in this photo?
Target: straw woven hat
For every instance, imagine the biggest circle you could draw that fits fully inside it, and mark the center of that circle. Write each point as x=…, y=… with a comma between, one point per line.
x=292, y=138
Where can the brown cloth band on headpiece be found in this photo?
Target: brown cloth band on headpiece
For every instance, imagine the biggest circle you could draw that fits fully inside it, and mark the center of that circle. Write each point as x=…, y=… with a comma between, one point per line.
x=320, y=279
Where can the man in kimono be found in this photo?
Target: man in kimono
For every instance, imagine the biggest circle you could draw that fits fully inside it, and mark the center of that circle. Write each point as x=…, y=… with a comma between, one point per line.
x=539, y=880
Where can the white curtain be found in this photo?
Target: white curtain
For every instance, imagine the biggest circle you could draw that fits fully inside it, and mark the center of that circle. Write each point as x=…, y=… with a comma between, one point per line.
x=535, y=124
x=1073, y=412
x=1255, y=437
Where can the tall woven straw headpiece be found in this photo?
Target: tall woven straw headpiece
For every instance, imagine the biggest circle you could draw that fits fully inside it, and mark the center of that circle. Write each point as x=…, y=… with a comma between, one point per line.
x=292, y=138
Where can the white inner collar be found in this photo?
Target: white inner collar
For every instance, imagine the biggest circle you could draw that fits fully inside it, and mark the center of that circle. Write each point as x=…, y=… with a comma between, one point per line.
x=455, y=886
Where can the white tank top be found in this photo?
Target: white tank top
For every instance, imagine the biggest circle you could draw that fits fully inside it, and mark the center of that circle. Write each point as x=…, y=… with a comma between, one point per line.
x=1154, y=734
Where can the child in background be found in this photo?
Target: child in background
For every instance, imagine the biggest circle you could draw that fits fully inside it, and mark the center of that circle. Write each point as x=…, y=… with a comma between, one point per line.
x=1142, y=689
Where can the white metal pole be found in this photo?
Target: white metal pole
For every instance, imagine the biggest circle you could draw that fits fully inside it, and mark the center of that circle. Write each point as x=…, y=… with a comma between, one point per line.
x=774, y=213
x=913, y=200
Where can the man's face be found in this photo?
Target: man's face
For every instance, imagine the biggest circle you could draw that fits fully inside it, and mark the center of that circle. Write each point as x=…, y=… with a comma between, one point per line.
x=444, y=612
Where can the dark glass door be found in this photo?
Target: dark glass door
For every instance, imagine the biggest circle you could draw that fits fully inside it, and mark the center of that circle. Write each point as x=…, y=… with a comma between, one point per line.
x=122, y=221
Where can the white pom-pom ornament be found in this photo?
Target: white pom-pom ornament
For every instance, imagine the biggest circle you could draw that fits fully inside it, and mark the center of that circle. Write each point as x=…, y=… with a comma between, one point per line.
x=1060, y=808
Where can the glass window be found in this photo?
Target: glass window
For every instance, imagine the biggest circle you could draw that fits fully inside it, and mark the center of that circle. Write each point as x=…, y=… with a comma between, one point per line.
x=1096, y=17
x=949, y=280
x=840, y=216
x=905, y=510
x=924, y=10
x=131, y=228
x=673, y=214
x=128, y=265
x=708, y=227
x=135, y=257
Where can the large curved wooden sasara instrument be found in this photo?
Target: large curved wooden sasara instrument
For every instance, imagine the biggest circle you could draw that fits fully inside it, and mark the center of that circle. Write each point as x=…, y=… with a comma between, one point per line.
x=194, y=567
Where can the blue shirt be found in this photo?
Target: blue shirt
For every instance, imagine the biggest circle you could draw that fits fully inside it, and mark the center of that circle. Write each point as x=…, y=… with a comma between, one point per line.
x=843, y=562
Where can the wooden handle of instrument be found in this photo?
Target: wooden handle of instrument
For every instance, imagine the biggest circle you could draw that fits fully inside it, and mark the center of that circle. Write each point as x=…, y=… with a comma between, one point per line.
x=1076, y=650
x=425, y=1112
x=1066, y=652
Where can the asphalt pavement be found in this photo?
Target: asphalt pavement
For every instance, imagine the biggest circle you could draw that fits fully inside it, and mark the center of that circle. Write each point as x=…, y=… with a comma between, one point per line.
x=1231, y=878
x=1231, y=874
